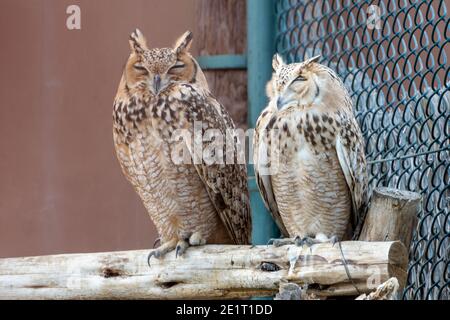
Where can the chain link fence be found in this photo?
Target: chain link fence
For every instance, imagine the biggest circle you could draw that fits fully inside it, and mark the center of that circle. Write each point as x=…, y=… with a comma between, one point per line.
x=392, y=57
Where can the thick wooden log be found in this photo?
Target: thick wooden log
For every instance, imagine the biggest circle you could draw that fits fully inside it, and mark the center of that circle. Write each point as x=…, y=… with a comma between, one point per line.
x=392, y=216
x=212, y=271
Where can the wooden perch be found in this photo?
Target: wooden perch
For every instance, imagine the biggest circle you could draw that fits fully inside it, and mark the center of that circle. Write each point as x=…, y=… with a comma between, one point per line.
x=216, y=271
x=212, y=271
x=392, y=216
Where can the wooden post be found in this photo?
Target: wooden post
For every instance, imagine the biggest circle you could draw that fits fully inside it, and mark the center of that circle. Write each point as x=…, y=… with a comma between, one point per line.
x=211, y=271
x=260, y=50
x=227, y=19
x=392, y=216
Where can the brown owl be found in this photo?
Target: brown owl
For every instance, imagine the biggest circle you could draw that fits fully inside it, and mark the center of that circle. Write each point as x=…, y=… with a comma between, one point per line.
x=309, y=155
x=162, y=96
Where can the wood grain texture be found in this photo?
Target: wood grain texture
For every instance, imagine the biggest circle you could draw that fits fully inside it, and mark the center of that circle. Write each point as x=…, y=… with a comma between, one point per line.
x=386, y=291
x=221, y=29
x=230, y=89
x=212, y=271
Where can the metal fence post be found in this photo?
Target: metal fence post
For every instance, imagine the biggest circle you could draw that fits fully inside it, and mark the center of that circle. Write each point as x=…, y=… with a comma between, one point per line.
x=260, y=48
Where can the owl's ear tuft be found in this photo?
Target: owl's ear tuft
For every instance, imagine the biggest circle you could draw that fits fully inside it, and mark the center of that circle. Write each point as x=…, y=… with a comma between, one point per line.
x=277, y=62
x=138, y=43
x=183, y=44
x=311, y=60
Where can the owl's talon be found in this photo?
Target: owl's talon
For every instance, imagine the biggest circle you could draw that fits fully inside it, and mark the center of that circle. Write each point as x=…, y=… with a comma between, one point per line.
x=280, y=242
x=162, y=250
x=275, y=242
x=157, y=240
x=148, y=259
x=305, y=241
x=150, y=255
x=334, y=240
x=181, y=247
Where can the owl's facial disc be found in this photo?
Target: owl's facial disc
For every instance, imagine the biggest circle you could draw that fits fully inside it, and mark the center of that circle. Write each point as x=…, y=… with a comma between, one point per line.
x=300, y=86
x=294, y=83
x=291, y=85
x=156, y=69
x=157, y=63
x=162, y=73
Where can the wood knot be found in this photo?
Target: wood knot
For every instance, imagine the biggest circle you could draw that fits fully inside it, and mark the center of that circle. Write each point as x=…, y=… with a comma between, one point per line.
x=168, y=284
x=269, y=266
x=111, y=273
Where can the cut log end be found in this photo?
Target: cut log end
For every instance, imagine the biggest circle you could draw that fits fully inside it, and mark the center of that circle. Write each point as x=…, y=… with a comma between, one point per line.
x=396, y=194
x=398, y=262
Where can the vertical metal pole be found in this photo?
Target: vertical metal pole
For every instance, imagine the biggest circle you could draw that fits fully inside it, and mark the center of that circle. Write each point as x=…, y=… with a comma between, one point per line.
x=260, y=49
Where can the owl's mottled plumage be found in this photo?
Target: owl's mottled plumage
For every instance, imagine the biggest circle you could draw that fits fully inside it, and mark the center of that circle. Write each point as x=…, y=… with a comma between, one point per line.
x=309, y=153
x=163, y=91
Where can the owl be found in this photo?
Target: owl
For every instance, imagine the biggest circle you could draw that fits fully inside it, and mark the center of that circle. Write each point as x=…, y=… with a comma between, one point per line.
x=309, y=157
x=162, y=113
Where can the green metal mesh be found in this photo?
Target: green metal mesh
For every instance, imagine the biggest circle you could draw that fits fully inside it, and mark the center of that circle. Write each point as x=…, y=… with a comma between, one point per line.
x=397, y=70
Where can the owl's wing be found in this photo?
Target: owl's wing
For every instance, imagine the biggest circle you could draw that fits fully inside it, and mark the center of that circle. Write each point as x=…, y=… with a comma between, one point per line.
x=125, y=158
x=226, y=183
x=350, y=151
x=131, y=157
x=261, y=150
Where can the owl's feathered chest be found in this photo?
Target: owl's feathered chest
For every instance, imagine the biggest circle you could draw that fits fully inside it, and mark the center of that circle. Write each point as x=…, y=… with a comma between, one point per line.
x=306, y=176
x=289, y=132
x=162, y=114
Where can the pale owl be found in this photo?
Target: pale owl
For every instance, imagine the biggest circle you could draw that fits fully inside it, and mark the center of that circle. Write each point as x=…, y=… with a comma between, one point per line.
x=164, y=91
x=309, y=155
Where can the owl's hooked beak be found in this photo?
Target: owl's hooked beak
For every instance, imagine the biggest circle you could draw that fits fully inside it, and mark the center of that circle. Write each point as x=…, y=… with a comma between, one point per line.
x=279, y=103
x=157, y=83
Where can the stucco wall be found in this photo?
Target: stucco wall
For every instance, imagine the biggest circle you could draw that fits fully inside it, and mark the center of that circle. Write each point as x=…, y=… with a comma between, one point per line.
x=61, y=188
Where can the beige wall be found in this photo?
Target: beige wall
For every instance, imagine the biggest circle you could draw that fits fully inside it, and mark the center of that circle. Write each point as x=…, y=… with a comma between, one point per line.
x=61, y=188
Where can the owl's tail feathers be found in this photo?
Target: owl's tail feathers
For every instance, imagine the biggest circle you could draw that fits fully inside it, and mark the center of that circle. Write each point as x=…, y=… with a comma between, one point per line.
x=359, y=224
